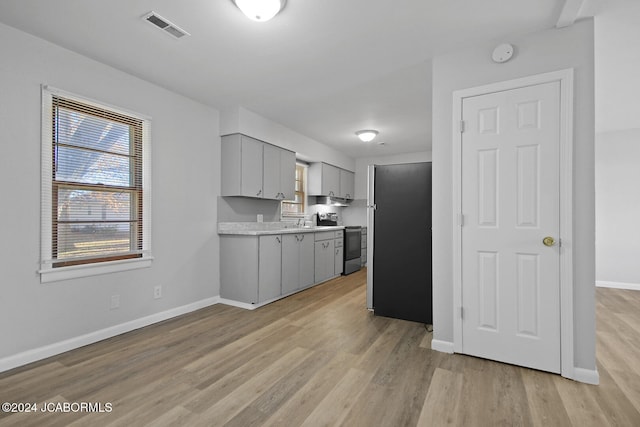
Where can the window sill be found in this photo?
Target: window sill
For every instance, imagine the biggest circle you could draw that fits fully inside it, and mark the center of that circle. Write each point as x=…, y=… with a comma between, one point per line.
x=86, y=270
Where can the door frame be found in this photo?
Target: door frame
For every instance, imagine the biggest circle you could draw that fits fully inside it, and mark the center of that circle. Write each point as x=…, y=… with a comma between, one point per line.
x=565, y=77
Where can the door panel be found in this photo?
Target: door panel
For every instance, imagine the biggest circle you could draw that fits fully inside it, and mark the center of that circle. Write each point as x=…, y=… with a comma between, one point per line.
x=510, y=202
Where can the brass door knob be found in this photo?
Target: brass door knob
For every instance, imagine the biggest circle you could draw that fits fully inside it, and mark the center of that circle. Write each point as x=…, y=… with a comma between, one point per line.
x=548, y=241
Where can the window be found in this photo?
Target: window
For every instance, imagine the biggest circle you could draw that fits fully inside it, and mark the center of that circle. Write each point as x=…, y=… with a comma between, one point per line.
x=95, y=192
x=296, y=208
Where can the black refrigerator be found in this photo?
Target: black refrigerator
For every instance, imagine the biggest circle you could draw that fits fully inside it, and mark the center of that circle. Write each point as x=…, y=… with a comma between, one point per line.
x=402, y=261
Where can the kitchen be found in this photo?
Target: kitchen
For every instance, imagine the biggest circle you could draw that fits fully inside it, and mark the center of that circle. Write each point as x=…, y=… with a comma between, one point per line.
x=288, y=251
x=188, y=202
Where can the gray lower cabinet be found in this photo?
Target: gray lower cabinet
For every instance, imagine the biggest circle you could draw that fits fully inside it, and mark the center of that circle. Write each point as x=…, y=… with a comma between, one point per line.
x=297, y=261
x=339, y=261
x=250, y=268
x=255, y=269
x=239, y=268
x=270, y=267
x=324, y=256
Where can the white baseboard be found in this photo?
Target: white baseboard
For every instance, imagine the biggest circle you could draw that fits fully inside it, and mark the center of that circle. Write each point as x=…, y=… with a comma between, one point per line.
x=618, y=285
x=239, y=304
x=40, y=353
x=442, y=346
x=587, y=376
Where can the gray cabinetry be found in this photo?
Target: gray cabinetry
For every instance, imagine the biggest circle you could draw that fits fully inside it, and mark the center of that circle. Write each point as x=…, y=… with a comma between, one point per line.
x=256, y=269
x=251, y=268
x=324, y=256
x=339, y=261
x=252, y=168
x=297, y=261
x=239, y=268
x=324, y=180
x=328, y=180
x=347, y=184
x=279, y=173
x=270, y=267
x=242, y=165
x=307, y=260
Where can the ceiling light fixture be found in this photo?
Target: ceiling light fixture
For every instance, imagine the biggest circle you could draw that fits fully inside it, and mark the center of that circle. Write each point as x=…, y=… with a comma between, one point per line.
x=260, y=10
x=366, y=135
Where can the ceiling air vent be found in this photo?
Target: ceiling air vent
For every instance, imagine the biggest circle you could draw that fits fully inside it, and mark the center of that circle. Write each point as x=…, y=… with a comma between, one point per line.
x=165, y=25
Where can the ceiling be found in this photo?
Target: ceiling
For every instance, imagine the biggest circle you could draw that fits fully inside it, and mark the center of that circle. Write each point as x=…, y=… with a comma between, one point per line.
x=321, y=68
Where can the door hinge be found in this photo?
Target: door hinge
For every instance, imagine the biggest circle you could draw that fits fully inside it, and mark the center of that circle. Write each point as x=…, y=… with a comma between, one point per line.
x=461, y=220
x=462, y=128
x=462, y=312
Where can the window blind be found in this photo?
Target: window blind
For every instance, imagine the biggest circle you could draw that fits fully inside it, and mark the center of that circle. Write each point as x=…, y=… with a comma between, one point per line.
x=96, y=193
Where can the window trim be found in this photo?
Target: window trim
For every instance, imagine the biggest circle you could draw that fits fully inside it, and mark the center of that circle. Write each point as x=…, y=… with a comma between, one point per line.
x=47, y=272
x=305, y=200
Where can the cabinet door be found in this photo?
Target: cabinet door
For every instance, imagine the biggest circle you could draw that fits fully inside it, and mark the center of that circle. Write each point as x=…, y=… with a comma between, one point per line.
x=270, y=267
x=330, y=259
x=347, y=184
x=330, y=180
x=339, y=261
x=239, y=268
x=291, y=262
x=321, y=261
x=307, y=259
x=287, y=174
x=251, y=164
x=271, y=172
x=325, y=260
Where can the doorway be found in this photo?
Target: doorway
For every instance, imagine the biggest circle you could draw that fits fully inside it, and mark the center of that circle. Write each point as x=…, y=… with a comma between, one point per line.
x=513, y=209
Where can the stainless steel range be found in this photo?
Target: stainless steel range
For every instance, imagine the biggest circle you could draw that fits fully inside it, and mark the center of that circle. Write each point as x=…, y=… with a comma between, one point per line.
x=352, y=241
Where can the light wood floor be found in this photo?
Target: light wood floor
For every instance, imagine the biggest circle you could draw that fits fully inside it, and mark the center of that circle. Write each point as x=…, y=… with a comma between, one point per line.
x=320, y=358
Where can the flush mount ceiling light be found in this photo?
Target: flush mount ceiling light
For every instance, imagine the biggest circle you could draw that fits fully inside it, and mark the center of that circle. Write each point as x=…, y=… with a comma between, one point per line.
x=260, y=10
x=366, y=135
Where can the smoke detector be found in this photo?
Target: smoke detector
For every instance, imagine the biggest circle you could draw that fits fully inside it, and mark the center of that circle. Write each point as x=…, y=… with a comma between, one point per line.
x=165, y=25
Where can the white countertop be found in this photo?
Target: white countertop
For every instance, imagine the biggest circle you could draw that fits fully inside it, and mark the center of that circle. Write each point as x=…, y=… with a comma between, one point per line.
x=267, y=228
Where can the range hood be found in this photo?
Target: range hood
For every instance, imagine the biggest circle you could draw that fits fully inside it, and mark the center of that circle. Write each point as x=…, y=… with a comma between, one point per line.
x=331, y=201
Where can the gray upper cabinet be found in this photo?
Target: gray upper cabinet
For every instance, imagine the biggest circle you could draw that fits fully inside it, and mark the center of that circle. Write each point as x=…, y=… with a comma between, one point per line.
x=324, y=180
x=347, y=184
x=288, y=174
x=328, y=180
x=242, y=165
x=252, y=168
x=279, y=173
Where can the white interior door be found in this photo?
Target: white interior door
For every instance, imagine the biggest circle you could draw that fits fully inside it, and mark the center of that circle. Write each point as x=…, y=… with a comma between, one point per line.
x=510, y=204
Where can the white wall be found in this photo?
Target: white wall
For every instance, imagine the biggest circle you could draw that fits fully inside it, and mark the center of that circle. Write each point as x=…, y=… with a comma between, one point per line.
x=536, y=53
x=618, y=207
x=362, y=164
x=184, y=186
x=241, y=120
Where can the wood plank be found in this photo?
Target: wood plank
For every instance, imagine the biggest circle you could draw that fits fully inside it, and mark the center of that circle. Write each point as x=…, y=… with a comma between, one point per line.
x=441, y=406
x=319, y=357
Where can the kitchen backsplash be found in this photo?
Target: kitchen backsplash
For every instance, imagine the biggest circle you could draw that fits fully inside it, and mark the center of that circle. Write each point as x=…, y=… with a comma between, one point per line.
x=243, y=209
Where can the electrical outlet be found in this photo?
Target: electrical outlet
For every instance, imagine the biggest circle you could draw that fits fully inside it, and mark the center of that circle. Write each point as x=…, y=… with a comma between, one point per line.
x=157, y=292
x=115, y=302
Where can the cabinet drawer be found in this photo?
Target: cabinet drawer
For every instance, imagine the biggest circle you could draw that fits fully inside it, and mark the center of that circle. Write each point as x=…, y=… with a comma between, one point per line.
x=339, y=242
x=363, y=242
x=325, y=235
x=339, y=234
